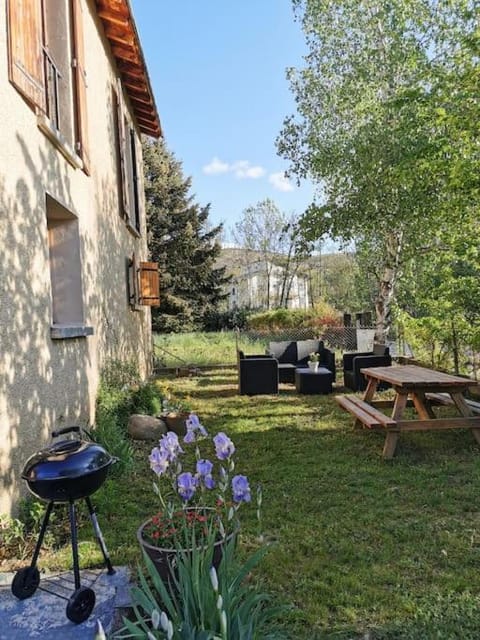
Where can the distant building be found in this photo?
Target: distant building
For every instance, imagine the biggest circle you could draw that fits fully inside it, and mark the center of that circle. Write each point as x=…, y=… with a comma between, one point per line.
x=259, y=286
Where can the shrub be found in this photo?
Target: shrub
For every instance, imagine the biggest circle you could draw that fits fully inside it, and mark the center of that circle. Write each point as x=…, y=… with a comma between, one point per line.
x=225, y=320
x=320, y=316
x=121, y=394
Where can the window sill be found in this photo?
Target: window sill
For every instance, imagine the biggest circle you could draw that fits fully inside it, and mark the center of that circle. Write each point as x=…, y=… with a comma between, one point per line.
x=66, y=331
x=56, y=138
x=133, y=230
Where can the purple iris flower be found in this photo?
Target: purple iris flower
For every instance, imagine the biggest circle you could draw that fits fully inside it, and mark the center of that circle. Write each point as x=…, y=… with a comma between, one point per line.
x=224, y=447
x=186, y=485
x=170, y=445
x=240, y=489
x=209, y=482
x=204, y=472
x=193, y=425
x=189, y=436
x=158, y=461
x=204, y=467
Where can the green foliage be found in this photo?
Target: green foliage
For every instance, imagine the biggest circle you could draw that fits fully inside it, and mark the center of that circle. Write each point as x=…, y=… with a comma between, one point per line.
x=119, y=396
x=181, y=241
x=363, y=547
x=18, y=536
x=321, y=316
x=202, y=606
x=226, y=320
x=387, y=103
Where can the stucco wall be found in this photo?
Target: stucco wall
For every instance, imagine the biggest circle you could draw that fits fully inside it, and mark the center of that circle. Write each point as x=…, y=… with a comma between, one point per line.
x=47, y=383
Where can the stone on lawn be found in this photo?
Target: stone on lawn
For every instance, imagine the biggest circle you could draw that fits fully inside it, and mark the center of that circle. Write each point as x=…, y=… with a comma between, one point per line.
x=142, y=427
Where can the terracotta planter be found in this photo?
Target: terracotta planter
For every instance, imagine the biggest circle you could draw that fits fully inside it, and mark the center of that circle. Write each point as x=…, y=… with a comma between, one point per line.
x=176, y=422
x=165, y=559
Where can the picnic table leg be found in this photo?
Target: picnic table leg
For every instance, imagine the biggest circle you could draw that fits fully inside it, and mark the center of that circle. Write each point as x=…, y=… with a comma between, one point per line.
x=391, y=438
x=422, y=406
x=465, y=410
x=390, y=445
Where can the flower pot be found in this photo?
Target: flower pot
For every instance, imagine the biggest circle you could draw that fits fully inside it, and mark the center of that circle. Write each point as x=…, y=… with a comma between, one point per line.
x=175, y=422
x=165, y=559
x=313, y=366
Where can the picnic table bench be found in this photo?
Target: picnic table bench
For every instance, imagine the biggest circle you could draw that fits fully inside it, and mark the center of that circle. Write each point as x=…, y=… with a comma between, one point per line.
x=364, y=412
x=418, y=387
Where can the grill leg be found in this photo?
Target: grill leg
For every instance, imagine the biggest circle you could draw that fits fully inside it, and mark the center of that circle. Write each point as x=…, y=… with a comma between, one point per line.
x=43, y=528
x=73, y=533
x=98, y=534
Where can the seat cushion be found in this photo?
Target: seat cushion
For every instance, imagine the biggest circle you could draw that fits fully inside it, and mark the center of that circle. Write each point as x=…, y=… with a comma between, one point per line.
x=305, y=348
x=286, y=372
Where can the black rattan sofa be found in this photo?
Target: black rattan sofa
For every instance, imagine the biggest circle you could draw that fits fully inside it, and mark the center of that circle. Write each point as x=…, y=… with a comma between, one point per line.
x=293, y=354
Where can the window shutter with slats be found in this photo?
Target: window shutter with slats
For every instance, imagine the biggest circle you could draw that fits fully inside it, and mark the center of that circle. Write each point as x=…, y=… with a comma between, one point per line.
x=121, y=149
x=80, y=87
x=25, y=49
x=149, y=284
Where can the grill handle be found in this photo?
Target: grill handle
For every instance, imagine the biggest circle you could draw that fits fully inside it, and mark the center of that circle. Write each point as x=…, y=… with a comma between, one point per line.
x=65, y=430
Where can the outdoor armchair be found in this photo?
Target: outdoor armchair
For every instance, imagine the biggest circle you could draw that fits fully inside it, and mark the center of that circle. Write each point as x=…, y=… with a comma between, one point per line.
x=354, y=362
x=257, y=374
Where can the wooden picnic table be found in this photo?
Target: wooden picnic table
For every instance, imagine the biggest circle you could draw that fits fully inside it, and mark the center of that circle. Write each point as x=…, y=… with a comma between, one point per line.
x=416, y=386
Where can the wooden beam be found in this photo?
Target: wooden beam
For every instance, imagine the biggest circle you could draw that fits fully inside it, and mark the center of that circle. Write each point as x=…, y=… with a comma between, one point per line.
x=125, y=53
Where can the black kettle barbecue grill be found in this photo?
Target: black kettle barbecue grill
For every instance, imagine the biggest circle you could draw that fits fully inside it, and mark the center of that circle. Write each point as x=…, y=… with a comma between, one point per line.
x=66, y=471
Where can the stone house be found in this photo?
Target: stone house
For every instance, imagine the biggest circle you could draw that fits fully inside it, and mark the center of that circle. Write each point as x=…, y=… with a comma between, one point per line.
x=75, y=289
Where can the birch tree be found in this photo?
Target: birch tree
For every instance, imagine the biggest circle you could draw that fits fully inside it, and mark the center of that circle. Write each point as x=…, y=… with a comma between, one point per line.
x=366, y=130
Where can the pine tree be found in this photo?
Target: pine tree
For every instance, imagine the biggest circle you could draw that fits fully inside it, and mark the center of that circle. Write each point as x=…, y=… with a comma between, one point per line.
x=180, y=240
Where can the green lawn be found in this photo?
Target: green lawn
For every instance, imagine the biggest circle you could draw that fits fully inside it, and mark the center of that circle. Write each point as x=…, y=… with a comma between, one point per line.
x=361, y=547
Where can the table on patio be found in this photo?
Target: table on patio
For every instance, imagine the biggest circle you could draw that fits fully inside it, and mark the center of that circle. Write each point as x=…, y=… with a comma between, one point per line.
x=415, y=386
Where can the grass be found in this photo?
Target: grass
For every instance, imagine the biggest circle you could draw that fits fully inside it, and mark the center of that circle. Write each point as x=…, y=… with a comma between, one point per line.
x=362, y=547
x=203, y=349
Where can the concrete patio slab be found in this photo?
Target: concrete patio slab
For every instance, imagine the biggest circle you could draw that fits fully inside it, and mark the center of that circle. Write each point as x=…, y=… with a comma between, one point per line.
x=43, y=615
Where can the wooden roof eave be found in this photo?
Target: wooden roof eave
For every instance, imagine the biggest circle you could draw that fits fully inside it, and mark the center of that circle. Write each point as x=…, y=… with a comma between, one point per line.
x=120, y=30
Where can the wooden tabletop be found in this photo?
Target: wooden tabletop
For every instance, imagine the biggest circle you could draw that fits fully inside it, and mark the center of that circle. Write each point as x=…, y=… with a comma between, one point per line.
x=411, y=376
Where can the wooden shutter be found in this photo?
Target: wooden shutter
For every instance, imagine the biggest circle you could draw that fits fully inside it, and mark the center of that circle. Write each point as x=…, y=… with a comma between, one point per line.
x=149, y=284
x=121, y=151
x=81, y=124
x=25, y=49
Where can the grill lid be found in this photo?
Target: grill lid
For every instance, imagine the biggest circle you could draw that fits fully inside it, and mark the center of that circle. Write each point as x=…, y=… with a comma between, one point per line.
x=66, y=459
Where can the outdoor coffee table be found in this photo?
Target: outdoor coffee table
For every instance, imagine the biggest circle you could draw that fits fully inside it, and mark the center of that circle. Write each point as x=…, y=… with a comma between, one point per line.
x=414, y=385
x=310, y=382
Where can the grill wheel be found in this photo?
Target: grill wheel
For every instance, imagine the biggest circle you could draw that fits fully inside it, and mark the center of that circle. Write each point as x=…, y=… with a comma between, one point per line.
x=25, y=582
x=80, y=604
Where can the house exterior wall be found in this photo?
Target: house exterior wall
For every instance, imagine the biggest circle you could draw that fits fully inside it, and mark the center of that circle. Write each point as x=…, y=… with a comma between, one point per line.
x=249, y=288
x=47, y=383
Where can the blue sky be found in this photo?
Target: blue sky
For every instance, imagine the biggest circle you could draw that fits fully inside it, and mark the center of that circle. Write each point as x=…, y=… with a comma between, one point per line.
x=217, y=68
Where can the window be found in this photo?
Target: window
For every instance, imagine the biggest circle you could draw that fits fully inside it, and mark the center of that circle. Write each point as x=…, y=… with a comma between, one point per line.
x=143, y=284
x=129, y=175
x=46, y=64
x=65, y=272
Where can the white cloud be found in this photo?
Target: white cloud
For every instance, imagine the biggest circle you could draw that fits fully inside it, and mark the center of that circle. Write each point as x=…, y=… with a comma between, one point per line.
x=241, y=169
x=215, y=167
x=280, y=182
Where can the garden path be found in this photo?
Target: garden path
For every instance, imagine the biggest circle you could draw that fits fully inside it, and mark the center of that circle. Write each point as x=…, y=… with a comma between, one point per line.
x=43, y=615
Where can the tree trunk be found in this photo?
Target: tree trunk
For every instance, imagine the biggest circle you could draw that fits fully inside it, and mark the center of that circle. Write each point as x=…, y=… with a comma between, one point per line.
x=456, y=363
x=386, y=288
